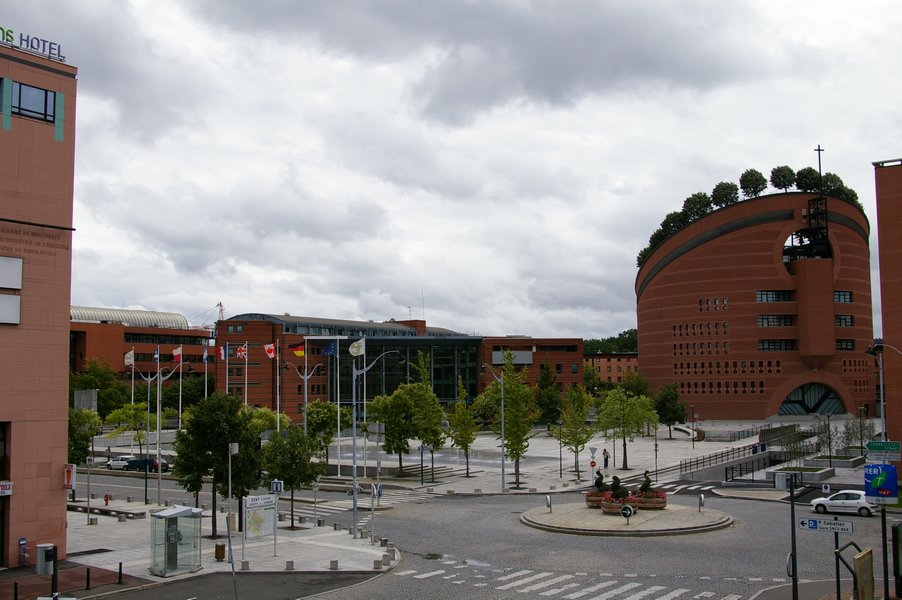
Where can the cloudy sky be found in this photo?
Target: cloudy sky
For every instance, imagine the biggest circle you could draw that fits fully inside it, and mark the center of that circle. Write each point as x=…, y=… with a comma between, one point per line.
x=492, y=166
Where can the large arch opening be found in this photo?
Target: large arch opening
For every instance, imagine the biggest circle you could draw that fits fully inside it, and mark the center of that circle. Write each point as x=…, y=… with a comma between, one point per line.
x=812, y=398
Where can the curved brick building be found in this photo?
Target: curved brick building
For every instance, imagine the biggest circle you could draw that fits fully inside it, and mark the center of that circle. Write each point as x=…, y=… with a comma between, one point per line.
x=762, y=308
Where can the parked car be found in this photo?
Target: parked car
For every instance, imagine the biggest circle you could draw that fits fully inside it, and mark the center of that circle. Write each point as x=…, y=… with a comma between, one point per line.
x=120, y=462
x=138, y=464
x=849, y=501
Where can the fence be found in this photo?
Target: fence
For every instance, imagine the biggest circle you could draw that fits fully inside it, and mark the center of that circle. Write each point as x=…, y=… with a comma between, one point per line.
x=700, y=462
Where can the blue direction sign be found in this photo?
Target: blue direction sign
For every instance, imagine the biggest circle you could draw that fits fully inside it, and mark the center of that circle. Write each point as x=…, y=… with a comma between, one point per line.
x=881, y=483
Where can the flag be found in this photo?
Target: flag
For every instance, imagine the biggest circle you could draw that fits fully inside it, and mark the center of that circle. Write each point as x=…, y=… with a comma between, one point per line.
x=358, y=348
x=241, y=351
x=224, y=351
x=177, y=355
x=297, y=349
x=129, y=358
x=270, y=350
x=331, y=349
x=156, y=355
x=205, y=355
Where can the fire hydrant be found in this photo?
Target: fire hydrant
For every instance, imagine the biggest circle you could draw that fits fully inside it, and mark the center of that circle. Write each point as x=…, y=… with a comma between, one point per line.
x=106, y=500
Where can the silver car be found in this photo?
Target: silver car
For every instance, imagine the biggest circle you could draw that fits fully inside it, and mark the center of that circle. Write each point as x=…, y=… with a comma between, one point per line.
x=120, y=462
x=847, y=501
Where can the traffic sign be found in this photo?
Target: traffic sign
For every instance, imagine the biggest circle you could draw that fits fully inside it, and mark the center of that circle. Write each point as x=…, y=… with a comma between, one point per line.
x=881, y=484
x=827, y=525
x=887, y=451
x=626, y=511
x=592, y=463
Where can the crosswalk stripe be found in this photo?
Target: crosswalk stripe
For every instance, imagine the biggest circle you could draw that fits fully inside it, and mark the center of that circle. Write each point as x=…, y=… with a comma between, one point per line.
x=514, y=575
x=429, y=574
x=646, y=592
x=616, y=591
x=545, y=584
x=589, y=590
x=731, y=597
x=407, y=572
x=514, y=584
x=564, y=588
x=673, y=594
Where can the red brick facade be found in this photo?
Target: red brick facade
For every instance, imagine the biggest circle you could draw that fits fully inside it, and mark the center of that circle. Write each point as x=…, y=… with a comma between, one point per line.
x=740, y=324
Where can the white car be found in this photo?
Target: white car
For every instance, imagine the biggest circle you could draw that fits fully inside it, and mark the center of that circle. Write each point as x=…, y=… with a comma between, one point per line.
x=848, y=501
x=120, y=462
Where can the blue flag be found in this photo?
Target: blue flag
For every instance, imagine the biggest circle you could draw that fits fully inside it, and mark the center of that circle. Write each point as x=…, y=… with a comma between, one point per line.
x=156, y=355
x=331, y=349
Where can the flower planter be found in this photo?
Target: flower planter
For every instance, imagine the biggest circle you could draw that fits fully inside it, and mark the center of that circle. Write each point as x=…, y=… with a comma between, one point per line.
x=614, y=508
x=594, y=500
x=649, y=503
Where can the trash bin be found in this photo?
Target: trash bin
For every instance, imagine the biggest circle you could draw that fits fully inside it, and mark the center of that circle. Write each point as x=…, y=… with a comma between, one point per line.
x=219, y=552
x=46, y=553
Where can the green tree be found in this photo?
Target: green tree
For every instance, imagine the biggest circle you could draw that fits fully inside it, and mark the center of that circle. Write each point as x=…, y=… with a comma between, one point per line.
x=133, y=418
x=697, y=206
x=625, y=341
x=428, y=416
x=669, y=408
x=782, y=177
x=625, y=416
x=548, y=396
x=634, y=384
x=575, y=430
x=83, y=426
x=808, y=180
x=396, y=412
x=462, y=426
x=289, y=456
x=520, y=413
x=592, y=381
x=202, y=448
x=752, y=182
x=725, y=193
x=192, y=390
x=97, y=374
x=322, y=422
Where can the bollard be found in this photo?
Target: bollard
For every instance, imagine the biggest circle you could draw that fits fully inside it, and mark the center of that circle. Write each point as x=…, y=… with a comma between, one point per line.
x=320, y=522
x=336, y=526
x=88, y=578
x=122, y=517
x=93, y=496
x=449, y=492
x=92, y=520
x=383, y=542
x=281, y=517
x=386, y=560
x=15, y=590
x=430, y=490
x=129, y=499
x=289, y=565
x=333, y=565
x=245, y=565
x=120, y=574
x=377, y=564
x=223, y=509
x=477, y=491
x=532, y=490
x=552, y=488
x=204, y=506
x=302, y=519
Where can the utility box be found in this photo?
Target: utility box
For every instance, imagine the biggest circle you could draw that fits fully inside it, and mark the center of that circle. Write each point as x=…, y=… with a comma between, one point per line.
x=46, y=554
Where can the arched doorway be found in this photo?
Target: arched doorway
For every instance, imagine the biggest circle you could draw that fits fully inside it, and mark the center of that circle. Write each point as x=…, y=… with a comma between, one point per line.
x=811, y=398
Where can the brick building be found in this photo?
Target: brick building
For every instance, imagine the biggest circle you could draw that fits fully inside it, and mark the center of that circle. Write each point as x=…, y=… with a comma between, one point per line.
x=613, y=367
x=762, y=308
x=37, y=168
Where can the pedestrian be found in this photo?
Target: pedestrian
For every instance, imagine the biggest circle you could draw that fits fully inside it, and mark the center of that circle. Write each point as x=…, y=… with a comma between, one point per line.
x=606, y=457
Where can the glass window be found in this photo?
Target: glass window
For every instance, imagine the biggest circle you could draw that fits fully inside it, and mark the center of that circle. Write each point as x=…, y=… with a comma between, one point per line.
x=842, y=296
x=773, y=296
x=844, y=321
x=32, y=102
x=845, y=344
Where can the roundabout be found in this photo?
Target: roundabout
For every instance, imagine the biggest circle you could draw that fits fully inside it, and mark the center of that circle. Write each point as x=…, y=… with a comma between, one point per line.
x=577, y=519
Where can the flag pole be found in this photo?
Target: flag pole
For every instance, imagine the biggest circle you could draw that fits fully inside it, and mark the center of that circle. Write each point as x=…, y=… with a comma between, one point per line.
x=245, y=373
x=131, y=447
x=278, y=386
x=225, y=350
x=338, y=406
x=181, y=358
x=205, y=369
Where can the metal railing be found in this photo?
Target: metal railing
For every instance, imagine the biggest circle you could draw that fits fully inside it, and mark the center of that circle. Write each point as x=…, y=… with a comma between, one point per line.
x=750, y=432
x=740, y=471
x=710, y=460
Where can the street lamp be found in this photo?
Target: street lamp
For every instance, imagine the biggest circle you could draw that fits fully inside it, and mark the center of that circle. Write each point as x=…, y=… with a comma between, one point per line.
x=354, y=373
x=560, y=448
x=862, y=410
x=876, y=349
x=500, y=379
x=829, y=441
x=692, y=424
x=307, y=375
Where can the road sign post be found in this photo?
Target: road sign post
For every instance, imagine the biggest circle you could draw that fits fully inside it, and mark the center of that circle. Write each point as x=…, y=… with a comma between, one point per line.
x=825, y=525
x=887, y=451
x=881, y=484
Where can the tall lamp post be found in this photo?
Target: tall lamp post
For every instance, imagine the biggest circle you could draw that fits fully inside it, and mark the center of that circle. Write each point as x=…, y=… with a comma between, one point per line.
x=160, y=379
x=560, y=448
x=862, y=410
x=304, y=377
x=354, y=373
x=337, y=340
x=876, y=349
x=501, y=379
x=692, y=423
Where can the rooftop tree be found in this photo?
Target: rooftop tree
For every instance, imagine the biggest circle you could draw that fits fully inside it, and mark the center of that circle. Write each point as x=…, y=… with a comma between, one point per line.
x=782, y=177
x=752, y=182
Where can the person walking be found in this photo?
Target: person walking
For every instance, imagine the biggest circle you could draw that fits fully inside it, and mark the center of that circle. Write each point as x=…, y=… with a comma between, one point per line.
x=606, y=457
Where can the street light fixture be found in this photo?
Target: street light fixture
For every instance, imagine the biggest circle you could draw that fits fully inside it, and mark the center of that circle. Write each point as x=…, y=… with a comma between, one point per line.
x=876, y=349
x=307, y=375
x=692, y=424
x=500, y=379
x=560, y=448
x=354, y=373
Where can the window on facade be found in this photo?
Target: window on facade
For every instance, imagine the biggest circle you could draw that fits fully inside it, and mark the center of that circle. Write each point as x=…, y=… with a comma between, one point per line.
x=845, y=345
x=776, y=320
x=776, y=345
x=724, y=303
x=773, y=296
x=574, y=368
x=844, y=321
x=559, y=368
x=843, y=296
x=33, y=102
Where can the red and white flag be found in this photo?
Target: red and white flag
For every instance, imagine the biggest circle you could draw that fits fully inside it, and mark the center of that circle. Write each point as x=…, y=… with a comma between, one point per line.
x=177, y=355
x=241, y=351
x=224, y=351
x=270, y=350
